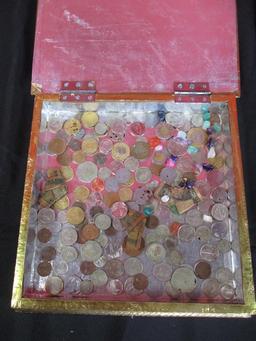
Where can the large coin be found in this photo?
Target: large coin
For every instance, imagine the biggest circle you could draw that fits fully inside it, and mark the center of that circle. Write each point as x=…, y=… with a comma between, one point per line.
x=91, y=251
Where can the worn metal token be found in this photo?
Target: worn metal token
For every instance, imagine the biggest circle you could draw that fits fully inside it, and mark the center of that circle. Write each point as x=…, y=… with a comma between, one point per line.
x=44, y=235
x=86, y=287
x=177, y=146
x=91, y=251
x=232, y=194
x=67, y=172
x=114, y=268
x=81, y=193
x=224, y=275
x=120, y=151
x=115, y=287
x=123, y=175
x=44, y=269
x=102, y=239
x=72, y=126
x=79, y=156
x=203, y=233
x=194, y=217
x=186, y=233
x=209, y=252
x=56, y=146
x=89, y=119
x=140, y=150
x=104, y=173
x=119, y=209
x=48, y=253
x=46, y=215
x=174, y=257
x=202, y=269
x=60, y=267
x=197, y=136
x=211, y=287
x=102, y=221
x=197, y=120
x=219, y=229
x=68, y=236
x=99, y=278
x=89, y=232
x=74, y=144
x=140, y=281
x=133, y=266
x=219, y=212
x=168, y=175
x=54, y=285
x=87, y=171
x=156, y=252
x=219, y=195
x=69, y=254
x=227, y=292
x=130, y=289
x=184, y=280
x=224, y=245
x=162, y=271
x=143, y=175
x=75, y=215
x=170, y=242
x=125, y=194
x=87, y=268
x=90, y=145
x=131, y=163
x=64, y=159
x=164, y=131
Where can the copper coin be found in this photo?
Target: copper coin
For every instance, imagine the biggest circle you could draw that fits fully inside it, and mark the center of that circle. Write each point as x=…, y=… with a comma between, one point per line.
x=152, y=222
x=87, y=268
x=56, y=146
x=44, y=235
x=48, y=253
x=64, y=159
x=90, y=232
x=140, y=282
x=114, y=268
x=111, y=231
x=133, y=252
x=44, y=269
x=202, y=269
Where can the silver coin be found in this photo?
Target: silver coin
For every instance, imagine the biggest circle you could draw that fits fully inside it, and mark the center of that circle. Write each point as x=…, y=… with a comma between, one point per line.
x=91, y=251
x=209, y=252
x=224, y=245
x=170, y=242
x=219, y=229
x=143, y=175
x=184, y=280
x=72, y=284
x=104, y=173
x=224, y=275
x=101, y=262
x=197, y=120
x=186, y=233
x=69, y=254
x=211, y=287
x=219, y=212
x=162, y=271
x=133, y=266
x=170, y=290
x=102, y=240
x=55, y=227
x=168, y=175
x=219, y=195
x=233, y=212
x=203, y=233
x=99, y=278
x=60, y=267
x=174, y=257
x=116, y=223
x=123, y=175
x=129, y=288
x=54, y=285
x=87, y=171
x=194, y=217
x=32, y=215
x=232, y=194
x=227, y=292
x=156, y=252
x=131, y=163
x=86, y=287
x=68, y=236
x=101, y=128
x=62, y=217
x=102, y=221
x=46, y=215
x=176, y=119
x=115, y=287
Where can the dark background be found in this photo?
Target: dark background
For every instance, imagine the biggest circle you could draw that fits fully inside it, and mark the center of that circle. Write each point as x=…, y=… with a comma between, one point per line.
x=17, y=25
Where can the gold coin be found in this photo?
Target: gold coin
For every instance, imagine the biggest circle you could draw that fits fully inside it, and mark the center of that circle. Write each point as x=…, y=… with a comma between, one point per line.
x=197, y=136
x=81, y=193
x=217, y=161
x=56, y=146
x=75, y=215
x=67, y=172
x=90, y=145
x=90, y=119
x=72, y=126
x=79, y=156
x=62, y=204
x=125, y=194
x=120, y=151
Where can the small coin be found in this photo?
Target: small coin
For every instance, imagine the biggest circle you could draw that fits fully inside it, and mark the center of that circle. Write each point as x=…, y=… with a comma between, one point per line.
x=99, y=278
x=89, y=232
x=174, y=257
x=164, y=131
x=60, y=267
x=97, y=185
x=104, y=173
x=120, y=151
x=75, y=215
x=162, y=271
x=119, y=209
x=197, y=120
x=72, y=285
x=203, y=233
x=219, y=212
x=87, y=268
x=89, y=119
x=219, y=195
x=233, y=212
x=101, y=262
x=209, y=252
x=62, y=204
x=68, y=236
x=168, y=175
x=197, y=136
x=102, y=239
x=219, y=229
x=72, y=126
x=137, y=128
x=96, y=210
x=67, y=172
x=133, y=266
x=224, y=246
x=69, y=254
x=101, y=128
x=227, y=292
x=44, y=235
x=90, y=145
x=55, y=123
x=140, y=281
x=81, y=193
x=143, y=175
x=86, y=287
x=152, y=222
x=130, y=289
x=44, y=269
x=102, y=221
x=170, y=242
x=170, y=290
x=74, y=144
x=115, y=287
x=54, y=285
x=131, y=163
x=202, y=269
x=224, y=275
x=123, y=175
x=111, y=184
x=64, y=159
x=79, y=156
x=105, y=146
x=125, y=193
x=211, y=287
x=194, y=217
x=232, y=194
x=56, y=146
x=46, y=215
x=186, y=233
x=48, y=253
x=140, y=150
x=114, y=268
x=184, y=280
x=155, y=252
x=91, y=251
x=177, y=146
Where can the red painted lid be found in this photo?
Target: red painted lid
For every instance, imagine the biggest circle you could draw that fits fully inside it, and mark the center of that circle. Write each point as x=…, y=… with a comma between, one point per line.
x=136, y=45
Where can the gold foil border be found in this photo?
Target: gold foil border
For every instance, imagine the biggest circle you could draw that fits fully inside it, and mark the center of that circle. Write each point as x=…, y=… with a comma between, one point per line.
x=137, y=308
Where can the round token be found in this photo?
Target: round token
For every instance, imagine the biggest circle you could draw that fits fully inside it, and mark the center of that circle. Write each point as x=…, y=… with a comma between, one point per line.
x=72, y=126
x=104, y=173
x=219, y=229
x=67, y=172
x=232, y=194
x=140, y=150
x=95, y=210
x=69, y=254
x=227, y=292
x=115, y=287
x=130, y=289
x=186, y=233
x=164, y=131
x=54, y=285
x=152, y=222
x=197, y=136
x=123, y=175
x=102, y=221
x=87, y=171
x=56, y=146
x=125, y=194
x=114, y=268
x=62, y=204
x=105, y=146
x=202, y=269
x=100, y=159
x=91, y=251
x=197, y=120
x=155, y=252
x=87, y=268
x=184, y=280
x=211, y=287
x=89, y=232
x=44, y=269
x=170, y=290
x=224, y=275
x=90, y=145
x=44, y=235
x=75, y=215
x=174, y=257
x=170, y=242
x=219, y=195
x=99, y=278
x=137, y=128
x=74, y=144
x=79, y=156
x=55, y=123
x=140, y=281
x=46, y=215
x=233, y=212
x=224, y=245
x=102, y=239
x=177, y=146
x=131, y=163
x=60, y=267
x=120, y=151
x=203, y=233
x=143, y=175
x=101, y=128
x=194, y=217
x=119, y=209
x=97, y=185
x=209, y=252
x=86, y=287
x=81, y=193
x=168, y=175
x=133, y=266
x=89, y=119
x=162, y=271
x=48, y=253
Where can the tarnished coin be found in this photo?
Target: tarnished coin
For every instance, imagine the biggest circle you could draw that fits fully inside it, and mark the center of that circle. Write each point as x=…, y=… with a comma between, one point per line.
x=177, y=146
x=44, y=235
x=209, y=252
x=54, y=285
x=60, y=267
x=186, y=233
x=102, y=221
x=227, y=292
x=120, y=151
x=140, y=281
x=72, y=126
x=102, y=239
x=96, y=210
x=130, y=289
x=100, y=263
x=55, y=123
x=123, y=175
x=44, y=269
x=74, y=144
x=101, y=128
x=87, y=171
x=87, y=268
x=143, y=175
x=99, y=278
x=140, y=150
x=202, y=269
x=224, y=245
x=174, y=257
x=46, y=215
x=131, y=163
x=224, y=275
x=114, y=268
x=219, y=195
x=86, y=287
x=90, y=145
x=48, y=253
x=56, y=146
x=115, y=287
x=219, y=229
x=203, y=233
x=170, y=242
x=69, y=254
x=133, y=266
x=89, y=232
x=68, y=236
x=81, y=193
x=152, y=222
x=162, y=271
x=75, y=215
x=197, y=136
x=184, y=280
x=211, y=287
x=219, y=212
x=111, y=184
x=91, y=251
x=156, y=252
x=89, y=119
x=194, y=217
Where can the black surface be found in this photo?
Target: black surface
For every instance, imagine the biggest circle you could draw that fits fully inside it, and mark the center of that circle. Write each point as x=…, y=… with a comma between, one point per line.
x=17, y=18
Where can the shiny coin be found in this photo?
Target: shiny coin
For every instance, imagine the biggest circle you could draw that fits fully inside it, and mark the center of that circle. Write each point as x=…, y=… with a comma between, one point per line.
x=79, y=156
x=219, y=195
x=60, y=267
x=105, y=146
x=133, y=266
x=102, y=221
x=184, y=280
x=162, y=271
x=89, y=119
x=44, y=235
x=120, y=151
x=209, y=252
x=99, y=278
x=48, y=253
x=224, y=246
x=87, y=268
x=164, y=131
x=62, y=204
x=224, y=275
x=68, y=236
x=44, y=269
x=143, y=175
x=155, y=252
x=69, y=254
x=75, y=215
x=186, y=233
x=87, y=171
x=219, y=229
x=211, y=287
x=219, y=212
x=54, y=285
x=174, y=257
x=56, y=146
x=114, y=268
x=46, y=215
x=91, y=251
x=197, y=136
x=72, y=126
x=101, y=128
x=202, y=269
x=227, y=292
x=140, y=281
x=131, y=163
x=125, y=194
x=119, y=209
x=203, y=233
x=233, y=212
x=89, y=232
x=140, y=150
x=194, y=217
x=81, y=193
x=115, y=287
x=89, y=145
x=86, y=287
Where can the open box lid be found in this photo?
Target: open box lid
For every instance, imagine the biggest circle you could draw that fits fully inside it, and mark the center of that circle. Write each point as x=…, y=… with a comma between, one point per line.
x=136, y=46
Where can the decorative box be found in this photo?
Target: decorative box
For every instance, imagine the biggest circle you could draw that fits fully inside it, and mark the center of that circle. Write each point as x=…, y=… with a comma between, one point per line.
x=134, y=196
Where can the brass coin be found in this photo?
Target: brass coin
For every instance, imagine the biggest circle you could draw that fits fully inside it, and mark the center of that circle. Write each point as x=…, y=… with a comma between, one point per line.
x=202, y=269
x=120, y=151
x=56, y=146
x=197, y=136
x=72, y=126
x=90, y=145
x=48, y=253
x=79, y=156
x=67, y=172
x=62, y=204
x=64, y=159
x=81, y=193
x=90, y=232
x=125, y=194
x=140, y=282
x=44, y=269
x=75, y=215
x=216, y=162
x=90, y=119
x=44, y=235
x=140, y=150
x=87, y=268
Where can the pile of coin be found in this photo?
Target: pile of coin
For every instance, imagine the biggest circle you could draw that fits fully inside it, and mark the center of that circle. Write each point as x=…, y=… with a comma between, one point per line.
x=123, y=208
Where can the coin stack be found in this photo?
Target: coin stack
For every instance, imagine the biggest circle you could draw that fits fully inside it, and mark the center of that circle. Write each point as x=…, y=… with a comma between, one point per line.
x=123, y=207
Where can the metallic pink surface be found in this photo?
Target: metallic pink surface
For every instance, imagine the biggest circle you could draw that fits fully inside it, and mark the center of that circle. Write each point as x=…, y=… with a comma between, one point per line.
x=136, y=45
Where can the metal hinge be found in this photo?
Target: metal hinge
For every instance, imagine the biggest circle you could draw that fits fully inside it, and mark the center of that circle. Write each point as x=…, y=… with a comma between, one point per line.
x=76, y=91
x=195, y=92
